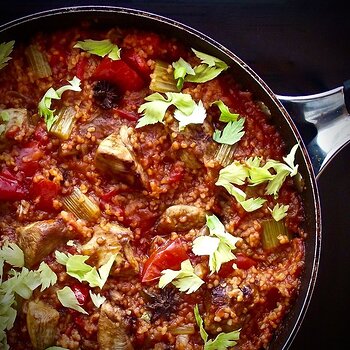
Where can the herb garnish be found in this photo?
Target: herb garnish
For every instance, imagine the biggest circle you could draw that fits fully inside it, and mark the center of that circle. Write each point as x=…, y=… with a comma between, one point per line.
x=218, y=245
x=45, y=103
x=77, y=268
x=231, y=133
x=209, y=68
x=185, y=279
x=156, y=106
x=68, y=299
x=279, y=211
x=222, y=340
x=100, y=48
x=22, y=283
x=254, y=174
x=5, y=51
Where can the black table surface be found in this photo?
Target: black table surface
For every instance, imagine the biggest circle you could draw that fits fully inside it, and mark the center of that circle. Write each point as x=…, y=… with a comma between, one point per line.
x=296, y=47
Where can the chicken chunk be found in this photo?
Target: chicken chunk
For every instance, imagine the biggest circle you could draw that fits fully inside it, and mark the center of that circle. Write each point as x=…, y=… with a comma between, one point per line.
x=108, y=240
x=181, y=218
x=115, y=154
x=42, y=321
x=111, y=333
x=40, y=238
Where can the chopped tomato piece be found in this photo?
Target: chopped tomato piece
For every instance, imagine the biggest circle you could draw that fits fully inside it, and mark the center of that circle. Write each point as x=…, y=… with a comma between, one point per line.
x=136, y=62
x=81, y=67
x=44, y=192
x=28, y=159
x=81, y=292
x=41, y=135
x=242, y=261
x=169, y=256
x=11, y=189
x=119, y=73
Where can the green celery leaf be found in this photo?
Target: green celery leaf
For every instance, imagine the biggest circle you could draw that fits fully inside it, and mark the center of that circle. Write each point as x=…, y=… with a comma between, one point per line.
x=252, y=204
x=100, y=48
x=231, y=133
x=232, y=190
x=185, y=279
x=196, y=117
x=153, y=111
x=97, y=299
x=68, y=299
x=218, y=245
x=223, y=341
x=12, y=254
x=289, y=160
x=203, y=73
x=45, y=103
x=181, y=69
x=5, y=116
x=5, y=51
x=225, y=114
x=47, y=276
x=199, y=320
x=77, y=268
x=209, y=60
x=235, y=173
x=279, y=211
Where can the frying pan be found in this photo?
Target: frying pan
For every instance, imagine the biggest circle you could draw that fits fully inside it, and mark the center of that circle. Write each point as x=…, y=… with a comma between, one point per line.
x=311, y=159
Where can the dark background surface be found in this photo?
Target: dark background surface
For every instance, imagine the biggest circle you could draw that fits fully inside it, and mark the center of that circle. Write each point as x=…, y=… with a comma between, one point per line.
x=296, y=47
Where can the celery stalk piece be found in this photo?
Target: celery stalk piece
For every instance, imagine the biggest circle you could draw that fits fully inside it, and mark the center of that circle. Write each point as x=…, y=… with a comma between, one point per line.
x=225, y=154
x=163, y=78
x=63, y=126
x=38, y=61
x=274, y=233
x=81, y=205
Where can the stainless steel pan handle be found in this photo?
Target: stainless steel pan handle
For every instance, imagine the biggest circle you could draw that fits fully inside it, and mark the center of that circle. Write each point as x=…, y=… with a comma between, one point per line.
x=329, y=113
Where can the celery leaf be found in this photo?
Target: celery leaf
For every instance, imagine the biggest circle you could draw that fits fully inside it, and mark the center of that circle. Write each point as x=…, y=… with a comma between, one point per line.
x=196, y=117
x=68, y=299
x=181, y=69
x=231, y=133
x=97, y=299
x=52, y=94
x=225, y=114
x=100, y=48
x=279, y=211
x=5, y=52
x=12, y=254
x=185, y=279
x=222, y=340
x=153, y=111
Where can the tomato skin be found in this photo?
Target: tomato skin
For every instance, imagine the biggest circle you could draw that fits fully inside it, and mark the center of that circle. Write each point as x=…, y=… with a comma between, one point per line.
x=120, y=74
x=11, y=189
x=138, y=63
x=133, y=117
x=242, y=261
x=169, y=256
x=81, y=67
x=45, y=191
x=28, y=159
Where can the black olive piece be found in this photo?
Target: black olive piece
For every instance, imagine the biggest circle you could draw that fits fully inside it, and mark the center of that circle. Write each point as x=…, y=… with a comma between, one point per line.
x=106, y=94
x=163, y=304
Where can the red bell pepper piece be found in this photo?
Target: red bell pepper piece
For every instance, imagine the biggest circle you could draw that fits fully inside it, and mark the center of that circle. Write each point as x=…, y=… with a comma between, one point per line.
x=169, y=256
x=81, y=292
x=242, y=261
x=44, y=192
x=120, y=74
x=136, y=62
x=11, y=189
